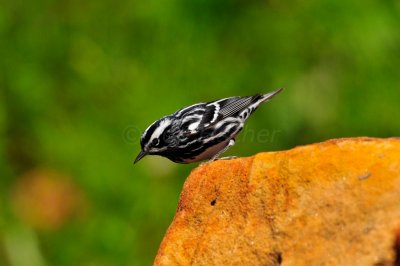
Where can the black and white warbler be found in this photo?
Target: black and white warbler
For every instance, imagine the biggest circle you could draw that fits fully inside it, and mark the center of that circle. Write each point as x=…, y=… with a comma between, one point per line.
x=200, y=131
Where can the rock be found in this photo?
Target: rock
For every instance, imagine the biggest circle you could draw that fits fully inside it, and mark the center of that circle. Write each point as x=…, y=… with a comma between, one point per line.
x=331, y=203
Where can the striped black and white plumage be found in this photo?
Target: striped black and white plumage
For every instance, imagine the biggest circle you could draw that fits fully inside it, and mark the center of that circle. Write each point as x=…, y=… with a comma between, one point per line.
x=201, y=131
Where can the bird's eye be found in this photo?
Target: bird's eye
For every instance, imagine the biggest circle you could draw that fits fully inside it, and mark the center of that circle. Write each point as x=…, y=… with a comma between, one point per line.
x=155, y=142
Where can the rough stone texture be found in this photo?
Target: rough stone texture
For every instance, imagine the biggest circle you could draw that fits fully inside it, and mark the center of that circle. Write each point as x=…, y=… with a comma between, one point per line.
x=332, y=203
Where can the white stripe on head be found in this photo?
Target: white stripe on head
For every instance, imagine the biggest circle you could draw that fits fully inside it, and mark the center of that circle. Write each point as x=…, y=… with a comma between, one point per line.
x=160, y=129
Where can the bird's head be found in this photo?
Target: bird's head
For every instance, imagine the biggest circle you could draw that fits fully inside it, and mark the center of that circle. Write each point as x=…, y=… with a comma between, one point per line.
x=153, y=140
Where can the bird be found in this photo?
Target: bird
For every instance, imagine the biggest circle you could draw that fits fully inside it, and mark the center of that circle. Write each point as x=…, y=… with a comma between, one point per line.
x=201, y=131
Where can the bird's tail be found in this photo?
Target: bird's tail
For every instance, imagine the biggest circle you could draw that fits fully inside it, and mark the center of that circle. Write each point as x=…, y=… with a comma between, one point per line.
x=268, y=96
x=257, y=100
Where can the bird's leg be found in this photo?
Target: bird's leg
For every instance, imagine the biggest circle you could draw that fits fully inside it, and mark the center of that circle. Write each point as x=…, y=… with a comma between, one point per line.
x=215, y=157
x=227, y=158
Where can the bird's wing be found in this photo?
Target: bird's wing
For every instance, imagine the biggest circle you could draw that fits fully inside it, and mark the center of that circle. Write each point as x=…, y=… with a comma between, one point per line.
x=221, y=109
x=188, y=119
x=199, y=117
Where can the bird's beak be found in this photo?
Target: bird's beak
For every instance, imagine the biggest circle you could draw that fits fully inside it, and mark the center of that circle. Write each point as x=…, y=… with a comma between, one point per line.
x=140, y=156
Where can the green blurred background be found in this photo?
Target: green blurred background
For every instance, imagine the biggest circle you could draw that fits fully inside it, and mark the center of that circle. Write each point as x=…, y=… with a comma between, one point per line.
x=80, y=80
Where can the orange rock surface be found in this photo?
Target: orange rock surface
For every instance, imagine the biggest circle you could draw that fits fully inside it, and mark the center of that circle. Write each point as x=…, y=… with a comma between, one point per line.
x=331, y=203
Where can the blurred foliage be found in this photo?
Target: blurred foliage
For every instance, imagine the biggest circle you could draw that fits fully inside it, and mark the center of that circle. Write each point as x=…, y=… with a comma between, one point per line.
x=80, y=80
